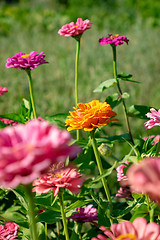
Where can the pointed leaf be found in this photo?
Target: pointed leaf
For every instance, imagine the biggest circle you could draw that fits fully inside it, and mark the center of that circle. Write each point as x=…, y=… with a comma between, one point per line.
x=138, y=111
x=106, y=84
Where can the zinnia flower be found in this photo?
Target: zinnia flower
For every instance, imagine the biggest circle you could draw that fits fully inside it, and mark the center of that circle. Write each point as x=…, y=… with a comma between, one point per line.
x=144, y=177
x=113, y=40
x=8, y=121
x=9, y=231
x=120, y=174
x=3, y=90
x=155, y=140
x=154, y=119
x=66, y=177
x=124, y=192
x=87, y=214
x=26, y=61
x=73, y=30
x=90, y=116
x=138, y=230
x=28, y=150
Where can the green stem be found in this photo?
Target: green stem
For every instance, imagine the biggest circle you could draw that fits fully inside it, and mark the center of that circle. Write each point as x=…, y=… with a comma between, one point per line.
x=149, y=208
x=76, y=76
x=120, y=91
x=60, y=194
x=28, y=71
x=31, y=211
x=158, y=148
x=100, y=167
x=45, y=226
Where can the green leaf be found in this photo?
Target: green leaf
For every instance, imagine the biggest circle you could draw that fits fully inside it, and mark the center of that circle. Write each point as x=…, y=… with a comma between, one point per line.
x=114, y=139
x=58, y=119
x=49, y=217
x=21, y=196
x=13, y=116
x=120, y=213
x=113, y=100
x=138, y=111
x=126, y=77
x=74, y=236
x=77, y=204
x=105, y=85
x=141, y=211
x=2, y=124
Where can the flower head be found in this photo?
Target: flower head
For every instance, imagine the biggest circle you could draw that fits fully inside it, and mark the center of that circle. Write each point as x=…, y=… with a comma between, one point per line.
x=124, y=192
x=154, y=119
x=9, y=231
x=144, y=177
x=87, y=214
x=73, y=30
x=155, y=139
x=28, y=150
x=113, y=40
x=66, y=177
x=90, y=116
x=8, y=121
x=26, y=61
x=120, y=174
x=138, y=230
x=3, y=90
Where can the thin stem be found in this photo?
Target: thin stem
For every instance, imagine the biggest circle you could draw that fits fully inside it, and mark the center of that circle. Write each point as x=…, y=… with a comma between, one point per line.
x=60, y=194
x=149, y=208
x=158, y=148
x=76, y=76
x=45, y=227
x=120, y=91
x=31, y=211
x=31, y=93
x=100, y=167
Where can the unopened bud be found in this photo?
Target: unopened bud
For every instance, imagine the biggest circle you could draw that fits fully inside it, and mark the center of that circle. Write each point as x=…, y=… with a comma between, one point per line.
x=105, y=150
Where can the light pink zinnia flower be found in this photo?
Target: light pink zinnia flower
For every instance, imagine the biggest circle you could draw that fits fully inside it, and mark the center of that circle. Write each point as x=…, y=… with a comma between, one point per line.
x=138, y=230
x=3, y=90
x=120, y=174
x=154, y=119
x=86, y=214
x=26, y=61
x=113, y=40
x=66, y=177
x=9, y=231
x=73, y=30
x=28, y=150
x=144, y=177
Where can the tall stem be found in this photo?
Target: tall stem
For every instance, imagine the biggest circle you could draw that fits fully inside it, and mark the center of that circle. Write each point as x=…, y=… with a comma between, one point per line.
x=31, y=92
x=100, y=168
x=60, y=194
x=31, y=211
x=76, y=76
x=120, y=91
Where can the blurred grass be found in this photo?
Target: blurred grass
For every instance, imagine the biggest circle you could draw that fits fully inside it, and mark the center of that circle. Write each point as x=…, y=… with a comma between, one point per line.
x=33, y=25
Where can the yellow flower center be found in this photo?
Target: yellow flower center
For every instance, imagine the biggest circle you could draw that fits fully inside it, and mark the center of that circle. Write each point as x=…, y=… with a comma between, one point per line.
x=114, y=36
x=58, y=175
x=26, y=55
x=124, y=236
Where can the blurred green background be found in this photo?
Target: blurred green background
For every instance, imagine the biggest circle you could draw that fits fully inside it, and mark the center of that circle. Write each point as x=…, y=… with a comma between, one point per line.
x=32, y=25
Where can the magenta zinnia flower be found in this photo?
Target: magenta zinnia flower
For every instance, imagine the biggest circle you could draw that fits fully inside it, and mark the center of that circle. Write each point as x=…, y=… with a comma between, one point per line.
x=26, y=61
x=120, y=174
x=66, y=177
x=28, y=150
x=73, y=30
x=3, y=90
x=144, y=177
x=87, y=214
x=154, y=119
x=9, y=231
x=113, y=40
x=138, y=230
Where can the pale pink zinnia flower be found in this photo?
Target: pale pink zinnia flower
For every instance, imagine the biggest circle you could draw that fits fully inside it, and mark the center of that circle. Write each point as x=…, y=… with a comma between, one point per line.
x=138, y=230
x=3, y=90
x=120, y=174
x=73, y=30
x=113, y=40
x=28, y=150
x=144, y=177
x=26, y=61
x=86, y=214
x=66, y=177
x=9, y=231
x=154, y=119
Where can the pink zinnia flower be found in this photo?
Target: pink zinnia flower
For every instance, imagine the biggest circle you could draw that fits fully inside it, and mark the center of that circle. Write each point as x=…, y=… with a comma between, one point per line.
x=28, y=150
x=120, y=174
x=9, y=231
x=66, y=177
x=138, y=230
x=3, y=90
x=26, y=61
x=124, y=192
x=144, y=177
x=8, y=121
x=73, y=30
x=113, y=40
x=87, y=214
x=154, y=119
x=156, y=139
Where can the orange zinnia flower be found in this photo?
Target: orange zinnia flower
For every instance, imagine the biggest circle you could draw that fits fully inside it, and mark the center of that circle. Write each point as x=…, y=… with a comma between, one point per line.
x=90, y=115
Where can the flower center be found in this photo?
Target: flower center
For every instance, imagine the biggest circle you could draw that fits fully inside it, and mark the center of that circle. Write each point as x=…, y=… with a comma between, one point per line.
x=126, y=236
x=113, y=36
x=25, y=55
x=58, y=175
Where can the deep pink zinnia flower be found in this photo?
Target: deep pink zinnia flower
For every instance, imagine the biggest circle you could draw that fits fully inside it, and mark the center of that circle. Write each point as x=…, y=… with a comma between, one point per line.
x=28, y=150
x=9, y=231
x=73, y=30
x=87, y=214
x=3, y=90
x=138, y=230
x=66, y=177
x=154, y=119
x=144, y=177
x=8, y=121
x=113, y=40
x=120, y=174
x=26, y=61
